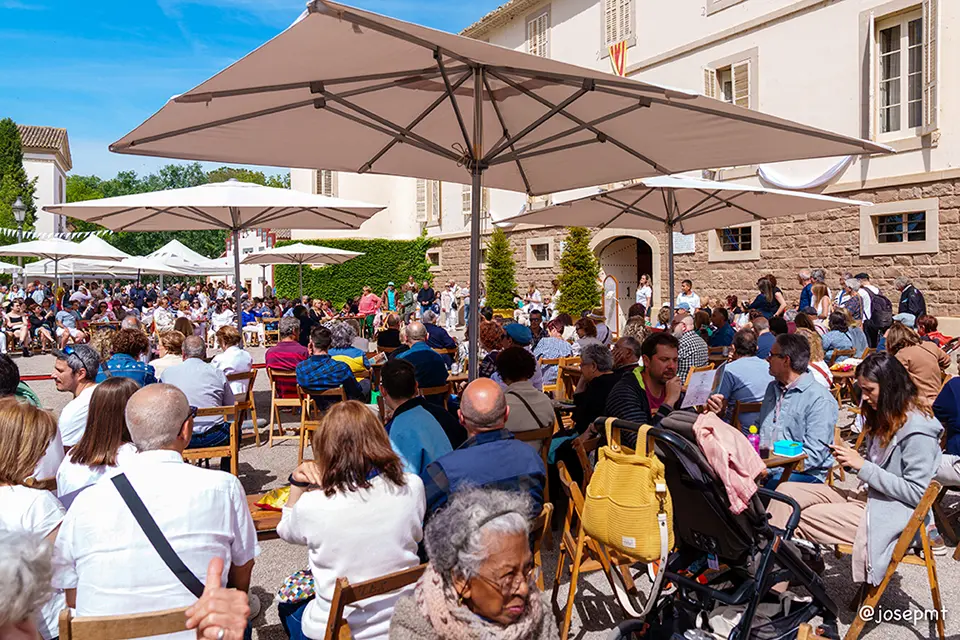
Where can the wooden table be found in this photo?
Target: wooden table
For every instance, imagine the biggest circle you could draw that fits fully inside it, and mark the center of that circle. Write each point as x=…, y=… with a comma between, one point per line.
x=789, y=464
x=265, y=521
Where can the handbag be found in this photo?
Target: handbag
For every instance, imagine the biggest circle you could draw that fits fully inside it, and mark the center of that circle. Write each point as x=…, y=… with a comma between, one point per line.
x=299, y=587
x=627, y=506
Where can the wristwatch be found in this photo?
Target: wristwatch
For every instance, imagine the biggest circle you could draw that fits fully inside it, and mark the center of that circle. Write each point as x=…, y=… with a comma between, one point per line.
x=297, y=483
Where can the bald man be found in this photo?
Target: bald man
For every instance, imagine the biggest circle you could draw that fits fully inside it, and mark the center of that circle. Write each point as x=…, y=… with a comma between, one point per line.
x=490, y=457
x=203, y=514
x=430, y=366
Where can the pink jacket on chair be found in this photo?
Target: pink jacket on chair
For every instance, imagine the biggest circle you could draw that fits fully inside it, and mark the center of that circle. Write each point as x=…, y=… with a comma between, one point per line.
x=732, y=457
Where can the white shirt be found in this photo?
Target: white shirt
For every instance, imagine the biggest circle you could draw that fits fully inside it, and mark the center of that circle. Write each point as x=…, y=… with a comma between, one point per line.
x=536, y=301
x=221, y=319
x=73, y=477
x=692, y=300
x=358, y=535
x=103, y=553
x=73, y=418
x=50, y=462
x=163, y=319
x=643, y=296
x=36, y=512
x=234, y=360
x=162, y=364
x=862, y=292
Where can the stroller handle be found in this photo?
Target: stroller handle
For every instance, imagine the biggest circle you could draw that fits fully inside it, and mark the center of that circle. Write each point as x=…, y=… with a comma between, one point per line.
x=794, y=521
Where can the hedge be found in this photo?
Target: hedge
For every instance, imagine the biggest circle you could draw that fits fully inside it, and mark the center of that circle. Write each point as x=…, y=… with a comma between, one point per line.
x=383, y=261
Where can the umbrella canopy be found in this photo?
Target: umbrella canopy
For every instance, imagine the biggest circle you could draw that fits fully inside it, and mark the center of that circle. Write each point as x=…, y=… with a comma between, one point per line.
x=680, y=203
x=126, y=268
x=56, y=249
x=350, y=90
x=97, y=244
x=301, y=254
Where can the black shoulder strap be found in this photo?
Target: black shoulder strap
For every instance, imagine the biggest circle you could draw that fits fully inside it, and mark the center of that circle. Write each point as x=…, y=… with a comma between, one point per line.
x=529, y=408
x=155, y=536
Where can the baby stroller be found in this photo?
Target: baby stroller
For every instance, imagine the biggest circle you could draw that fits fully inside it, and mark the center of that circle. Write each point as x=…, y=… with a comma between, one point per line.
x=751, y=555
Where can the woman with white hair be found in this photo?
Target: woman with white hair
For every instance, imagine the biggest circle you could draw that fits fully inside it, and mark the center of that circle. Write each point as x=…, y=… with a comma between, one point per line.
x=25, y=575
x=481, y=581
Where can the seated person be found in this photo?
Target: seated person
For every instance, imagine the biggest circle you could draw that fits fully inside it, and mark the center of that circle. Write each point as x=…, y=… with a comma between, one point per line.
x=693, y=351
x=321, y=372
x=530, y=409
x=342, y=335
x=437, y=336
x=903, y=452
x=744, y=379
x=430, y=365
x=946, y=408
x=359, y=514
x=723, y=332
x=359, y=341
x=765, y=338
x=518, y=335
x=551, y=347
x=818, y=365
x=415, y=434
x=67, y=325
x=286, y=355
x=203, y=513
x=233, y=359
x=490, y=457
x=626, y=354
x=205, y=386
x=389, y=337
x=838, y=338
x=924, y=361
x=128, y=345
x=796, y=408
x=927, y=329
x=170, y=348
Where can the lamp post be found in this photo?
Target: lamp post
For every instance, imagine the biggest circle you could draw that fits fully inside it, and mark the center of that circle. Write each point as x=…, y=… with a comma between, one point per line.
x=20, y=215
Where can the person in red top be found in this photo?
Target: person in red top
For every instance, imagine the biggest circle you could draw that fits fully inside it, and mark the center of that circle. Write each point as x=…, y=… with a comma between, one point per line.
x=927, y=330
x=369, y=305
x=286, y=355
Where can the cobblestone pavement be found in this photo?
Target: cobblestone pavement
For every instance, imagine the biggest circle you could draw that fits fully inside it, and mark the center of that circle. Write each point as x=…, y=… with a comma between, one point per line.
x=264, y=468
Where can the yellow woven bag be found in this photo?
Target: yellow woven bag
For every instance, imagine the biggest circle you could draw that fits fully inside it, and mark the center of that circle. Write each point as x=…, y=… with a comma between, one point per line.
x=627, y=504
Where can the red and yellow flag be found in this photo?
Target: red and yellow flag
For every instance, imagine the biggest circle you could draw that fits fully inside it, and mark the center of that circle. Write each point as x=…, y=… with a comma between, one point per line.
x=618, y=57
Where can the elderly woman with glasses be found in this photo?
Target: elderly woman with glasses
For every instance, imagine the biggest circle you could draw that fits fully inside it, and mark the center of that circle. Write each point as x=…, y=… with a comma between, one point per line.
x=481, y=580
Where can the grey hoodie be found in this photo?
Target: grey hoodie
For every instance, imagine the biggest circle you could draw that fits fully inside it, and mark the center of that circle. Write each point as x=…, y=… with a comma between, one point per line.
x=896, y=485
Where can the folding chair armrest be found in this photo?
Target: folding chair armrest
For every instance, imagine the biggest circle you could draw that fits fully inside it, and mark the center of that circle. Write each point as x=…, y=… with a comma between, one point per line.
x=794, y=521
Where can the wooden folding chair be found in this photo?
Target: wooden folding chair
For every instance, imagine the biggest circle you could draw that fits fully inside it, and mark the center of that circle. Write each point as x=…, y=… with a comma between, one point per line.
x=246, y=403
x=837, y=353
x=540, y=532
x=584, y=448
x=869, y=351
x=944, y=520
x=276, y=402
x=740, y=408
x=270, y=336
x=134, y=625
x=543, y=435
x=547, y=362
x=445, y=390
x=450, y=351
x=308, y=424
x=231, y=449
x=837, y=468
x=565, y=384
x=345, y=594
x=387, y=350
x=914, y=527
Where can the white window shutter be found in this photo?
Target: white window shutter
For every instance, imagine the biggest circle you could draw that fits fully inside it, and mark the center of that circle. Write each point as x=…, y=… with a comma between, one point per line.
x=710, y=82
x=467, y=204
x=741, y=84
x=610, y=21
x=930, y=69
x=626, y=20
x=433, y=212
x=871, y=62
x=485, y=203
x=421, y=200
x=538, y=35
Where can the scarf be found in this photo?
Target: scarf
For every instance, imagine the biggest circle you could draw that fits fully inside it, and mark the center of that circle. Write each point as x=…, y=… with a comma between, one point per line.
x=451, y=621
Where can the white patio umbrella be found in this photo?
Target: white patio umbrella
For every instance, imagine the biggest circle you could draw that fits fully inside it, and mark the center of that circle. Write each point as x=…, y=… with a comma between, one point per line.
x=346, y=89
x=231, y=205
x=684, y=204
x=301, y=254
x=56, y=250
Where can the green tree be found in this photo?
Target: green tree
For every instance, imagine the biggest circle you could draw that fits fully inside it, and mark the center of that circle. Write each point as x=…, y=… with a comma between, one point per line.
x=222, y=174
x=579, y=274
x=500, y=272
x=14, y=182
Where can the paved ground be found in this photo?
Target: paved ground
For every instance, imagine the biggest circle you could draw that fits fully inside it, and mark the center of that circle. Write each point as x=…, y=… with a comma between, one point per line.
x=265, y=468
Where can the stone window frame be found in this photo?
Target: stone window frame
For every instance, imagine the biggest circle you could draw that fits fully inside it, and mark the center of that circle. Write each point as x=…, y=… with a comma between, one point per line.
x=439, y=253
x=532, y=261
x=869, y=246
x=715, y=6
x=715, y=252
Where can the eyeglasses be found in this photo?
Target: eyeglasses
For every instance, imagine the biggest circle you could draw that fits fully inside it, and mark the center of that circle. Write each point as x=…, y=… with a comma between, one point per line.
x=509, y=585
x=192, y=413
x=775, y=355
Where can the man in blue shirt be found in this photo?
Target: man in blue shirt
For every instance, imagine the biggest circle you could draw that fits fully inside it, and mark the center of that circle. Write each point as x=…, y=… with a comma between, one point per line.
x=806, y=294
x=415, y=434
x=744, y=380
x=765, y=338
x=437, y=336
x=490, y=457
x=320, y=371
x=431, y=369
x=723, y=335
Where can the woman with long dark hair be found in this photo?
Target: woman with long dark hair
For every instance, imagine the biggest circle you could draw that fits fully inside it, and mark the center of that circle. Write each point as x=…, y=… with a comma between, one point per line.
x=105, y=444
x=770, y=301
x=903, y=455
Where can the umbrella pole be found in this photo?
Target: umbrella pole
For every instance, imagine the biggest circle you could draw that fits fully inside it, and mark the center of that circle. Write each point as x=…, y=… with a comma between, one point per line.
x=300, y=272
x=475, y=197
x=671, y=203
x=236, y=275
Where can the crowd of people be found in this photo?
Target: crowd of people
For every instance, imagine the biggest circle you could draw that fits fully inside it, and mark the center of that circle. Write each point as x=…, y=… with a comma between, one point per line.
x=402, y=472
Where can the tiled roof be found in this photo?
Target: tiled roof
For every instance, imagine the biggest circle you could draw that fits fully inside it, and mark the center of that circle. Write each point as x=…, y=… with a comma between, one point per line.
x=502, y=14
x=48, y=139
x=281, y=234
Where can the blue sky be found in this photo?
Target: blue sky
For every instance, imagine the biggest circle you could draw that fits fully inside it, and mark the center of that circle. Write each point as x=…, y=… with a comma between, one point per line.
x=100, y=68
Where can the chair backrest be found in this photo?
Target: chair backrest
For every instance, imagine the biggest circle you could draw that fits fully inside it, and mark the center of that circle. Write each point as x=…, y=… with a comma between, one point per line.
x=451, y=351
x=838, y=353
x=345, y=594
x=436, y=391
x=250, y=377
x=135, y=625
x=584, y=448
x=226, y=411
x=741, y=408
x=706, y=367
x=386, y=349
x=715, y=351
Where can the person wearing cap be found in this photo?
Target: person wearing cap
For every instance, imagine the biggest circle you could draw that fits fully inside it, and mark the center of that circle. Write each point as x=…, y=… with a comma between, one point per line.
x=604, y=334
x=430, y=366
x=75, y=372
x=388, y=299
x=437, y=336
x=518, y=335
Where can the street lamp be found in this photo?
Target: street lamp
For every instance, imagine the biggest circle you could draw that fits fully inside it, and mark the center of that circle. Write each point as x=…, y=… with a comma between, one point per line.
x=20, y=215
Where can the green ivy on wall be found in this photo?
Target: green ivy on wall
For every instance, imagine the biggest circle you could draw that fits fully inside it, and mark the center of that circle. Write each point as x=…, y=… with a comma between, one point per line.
x=383, y=261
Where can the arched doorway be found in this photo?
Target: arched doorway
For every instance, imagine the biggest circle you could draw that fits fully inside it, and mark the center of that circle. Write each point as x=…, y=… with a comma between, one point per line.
x=624, y=256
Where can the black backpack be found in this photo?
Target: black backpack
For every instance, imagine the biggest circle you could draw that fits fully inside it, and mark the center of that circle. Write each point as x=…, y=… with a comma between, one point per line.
x=881, y=311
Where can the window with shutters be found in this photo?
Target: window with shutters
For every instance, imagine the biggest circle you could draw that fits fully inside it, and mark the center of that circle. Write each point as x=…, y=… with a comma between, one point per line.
x=326, y=182
x=538, y=33
x=618, y=23
x=467, y=204
x=897, y=228
x=730, y=83
x=428, y=202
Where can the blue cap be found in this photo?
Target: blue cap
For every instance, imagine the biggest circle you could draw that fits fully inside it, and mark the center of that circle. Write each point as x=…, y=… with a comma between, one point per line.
x=684, y=305
x=519, y=333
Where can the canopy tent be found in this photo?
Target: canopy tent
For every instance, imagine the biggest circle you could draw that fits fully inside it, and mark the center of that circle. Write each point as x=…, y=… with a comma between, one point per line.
x=97, y=244
x=231, y=205
x=347, y=89
x=301, y=254
x=186, y=261
x=56, y=250
x=687, y=205
x=131, y=267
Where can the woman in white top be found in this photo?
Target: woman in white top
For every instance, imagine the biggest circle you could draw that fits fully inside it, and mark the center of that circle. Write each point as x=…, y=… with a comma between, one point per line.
x=25, y=432
x=234, y=359
x=221, y=317
x=645, y=292
x=359, y=515
x=818, y=366
x=171, y=352
x=105, y=444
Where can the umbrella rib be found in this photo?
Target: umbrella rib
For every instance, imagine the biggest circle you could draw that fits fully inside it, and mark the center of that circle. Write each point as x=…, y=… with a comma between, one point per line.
x=707, y=196
x=416, y=121
x=631, y=85
x=583, y=124
x=348, y=213
x=559, y=147
x=506, y=133
x=152, y=214
x=258, y=217
x=563, y=134
x=728, y=202
x=630, y=208
x=281, y=215
x=206, y=216
x=453, y=98
x=579, y=93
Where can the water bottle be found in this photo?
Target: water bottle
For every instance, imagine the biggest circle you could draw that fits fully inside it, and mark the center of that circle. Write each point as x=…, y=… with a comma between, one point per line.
x=754, y=438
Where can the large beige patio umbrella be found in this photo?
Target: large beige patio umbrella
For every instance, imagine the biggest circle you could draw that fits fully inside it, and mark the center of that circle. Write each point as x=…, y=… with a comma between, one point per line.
x=681, y=203
x=232, y=206
x=301, y=254
x=346, y=89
